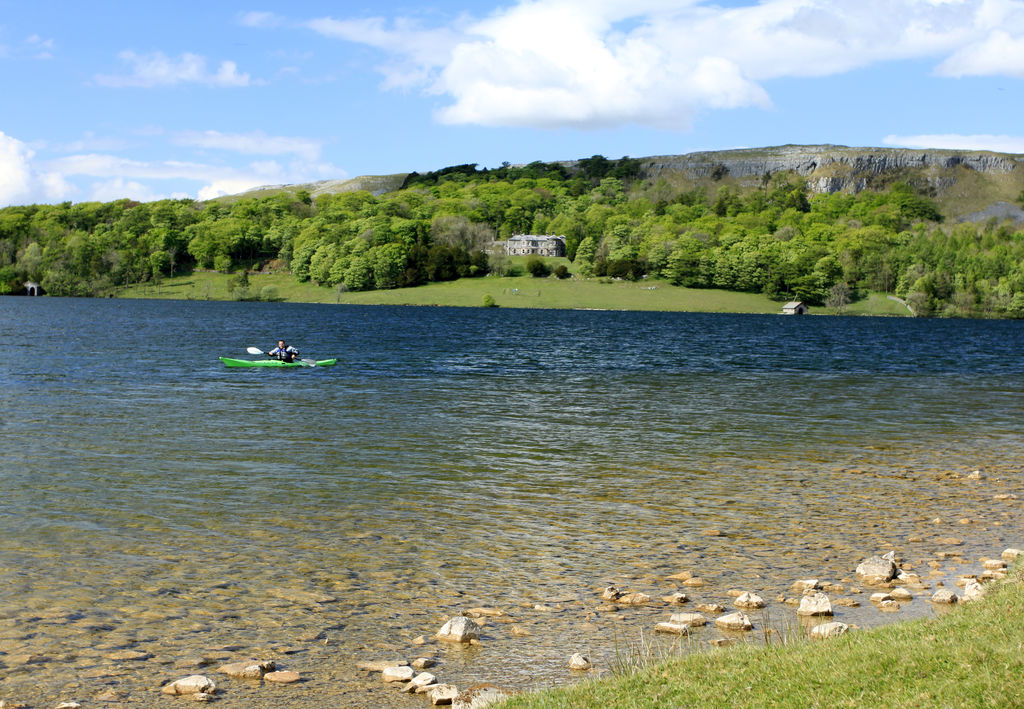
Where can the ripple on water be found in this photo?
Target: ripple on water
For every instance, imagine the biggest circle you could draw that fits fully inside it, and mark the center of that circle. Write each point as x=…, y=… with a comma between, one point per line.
x=176, y=515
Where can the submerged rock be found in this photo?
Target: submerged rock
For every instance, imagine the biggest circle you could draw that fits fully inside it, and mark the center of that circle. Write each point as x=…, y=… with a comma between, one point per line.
x=401, y=673
x=247, y=669
x=423, y=679
x=749, y=600
x=380, y=665
x=672, y=628
x=806, y=585
x=710, y=607
x=483, y=612
x=691, y=619
x=282, y=677
x=193, y=684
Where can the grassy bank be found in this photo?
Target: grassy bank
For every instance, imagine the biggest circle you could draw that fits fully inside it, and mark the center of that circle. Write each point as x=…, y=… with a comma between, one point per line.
x=972, y=656
x=517, y=292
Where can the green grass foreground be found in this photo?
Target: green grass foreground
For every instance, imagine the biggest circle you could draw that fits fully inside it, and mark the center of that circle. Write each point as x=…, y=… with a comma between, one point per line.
x=517, y=292
x=972, y=656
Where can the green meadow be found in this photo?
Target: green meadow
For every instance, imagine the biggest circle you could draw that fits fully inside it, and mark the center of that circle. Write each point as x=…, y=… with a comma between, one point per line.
x=507, y=292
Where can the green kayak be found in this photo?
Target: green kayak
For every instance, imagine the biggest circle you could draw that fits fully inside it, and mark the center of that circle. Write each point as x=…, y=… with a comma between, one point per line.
x=228, y=362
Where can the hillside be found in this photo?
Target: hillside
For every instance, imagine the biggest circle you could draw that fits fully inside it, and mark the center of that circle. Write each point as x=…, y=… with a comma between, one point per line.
x=962, y=183
x=827, y=225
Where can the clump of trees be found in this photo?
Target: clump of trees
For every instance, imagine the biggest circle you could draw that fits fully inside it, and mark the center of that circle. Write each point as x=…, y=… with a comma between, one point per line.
x=774, y=238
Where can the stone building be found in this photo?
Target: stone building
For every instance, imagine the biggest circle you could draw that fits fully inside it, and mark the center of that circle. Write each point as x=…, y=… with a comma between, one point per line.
x=527, y=244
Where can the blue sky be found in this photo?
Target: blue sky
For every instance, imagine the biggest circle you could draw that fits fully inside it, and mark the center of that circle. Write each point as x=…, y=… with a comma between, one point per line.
x=103, y=100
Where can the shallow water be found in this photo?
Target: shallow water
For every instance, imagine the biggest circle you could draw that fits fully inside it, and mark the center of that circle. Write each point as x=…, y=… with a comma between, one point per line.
x=155, y=501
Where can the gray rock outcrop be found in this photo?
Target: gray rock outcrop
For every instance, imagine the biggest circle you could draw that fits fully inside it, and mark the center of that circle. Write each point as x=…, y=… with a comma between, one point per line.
x=459, y=629
x=831, y=168
x=877, y=570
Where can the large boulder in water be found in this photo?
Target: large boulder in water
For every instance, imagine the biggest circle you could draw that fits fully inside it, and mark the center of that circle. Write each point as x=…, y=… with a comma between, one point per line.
x=877, y=570
x=459, y=629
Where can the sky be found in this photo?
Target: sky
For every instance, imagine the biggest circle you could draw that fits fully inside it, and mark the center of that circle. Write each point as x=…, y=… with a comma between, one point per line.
x=105, y=100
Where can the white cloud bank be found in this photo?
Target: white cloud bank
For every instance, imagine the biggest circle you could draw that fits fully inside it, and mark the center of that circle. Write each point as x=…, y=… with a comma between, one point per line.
x=20, y=180
x=255, y=143
x=157, y=69
x=101, y=176
x=597, y=63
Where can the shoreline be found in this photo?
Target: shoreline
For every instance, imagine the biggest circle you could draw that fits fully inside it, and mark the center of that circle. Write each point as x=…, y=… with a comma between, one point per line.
x=233, y=674
x=506, y=292
x=924, y=662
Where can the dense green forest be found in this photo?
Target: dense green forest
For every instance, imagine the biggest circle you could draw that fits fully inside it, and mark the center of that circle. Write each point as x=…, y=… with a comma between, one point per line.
x=775, y=239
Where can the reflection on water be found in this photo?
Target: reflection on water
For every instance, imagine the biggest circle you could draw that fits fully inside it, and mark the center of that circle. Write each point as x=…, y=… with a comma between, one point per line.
x=157, y=502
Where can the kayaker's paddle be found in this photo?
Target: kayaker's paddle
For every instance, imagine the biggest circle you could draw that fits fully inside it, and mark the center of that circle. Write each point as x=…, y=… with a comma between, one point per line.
x=302, y=362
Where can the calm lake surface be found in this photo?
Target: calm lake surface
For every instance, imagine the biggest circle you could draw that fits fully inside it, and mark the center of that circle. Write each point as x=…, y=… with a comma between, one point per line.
x=162, y=514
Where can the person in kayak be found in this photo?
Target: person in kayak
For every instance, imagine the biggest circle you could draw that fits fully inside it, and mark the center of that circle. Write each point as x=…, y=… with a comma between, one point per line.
x=284, y=352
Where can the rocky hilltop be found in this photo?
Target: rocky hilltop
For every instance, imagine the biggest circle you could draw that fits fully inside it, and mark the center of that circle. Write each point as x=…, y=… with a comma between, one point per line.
x=962, y=182
x=834, y=168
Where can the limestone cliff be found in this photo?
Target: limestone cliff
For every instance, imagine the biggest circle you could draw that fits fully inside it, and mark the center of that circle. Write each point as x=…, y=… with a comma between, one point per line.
x=834, y=168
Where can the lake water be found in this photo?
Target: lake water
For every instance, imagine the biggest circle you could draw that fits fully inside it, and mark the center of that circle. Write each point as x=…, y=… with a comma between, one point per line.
x=155, y=502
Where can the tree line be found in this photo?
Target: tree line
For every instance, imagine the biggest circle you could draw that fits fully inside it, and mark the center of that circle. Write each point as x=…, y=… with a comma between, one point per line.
x=776, y=238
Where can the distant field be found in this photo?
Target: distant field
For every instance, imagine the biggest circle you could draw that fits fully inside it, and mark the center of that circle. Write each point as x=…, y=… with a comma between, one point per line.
x=516, y=292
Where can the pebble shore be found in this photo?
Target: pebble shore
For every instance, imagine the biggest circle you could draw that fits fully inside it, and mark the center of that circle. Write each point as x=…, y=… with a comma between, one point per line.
x=446, y=660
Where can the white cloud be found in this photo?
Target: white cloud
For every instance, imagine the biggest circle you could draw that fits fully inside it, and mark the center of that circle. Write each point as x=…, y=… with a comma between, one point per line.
x=265, y=20
x=255, y=143
x=32, y=47
x=130, y=178
x=219, y=188
x=593, y=63
x=415, y=51
x=995, y=143
x=38, y=47
x=157, y=69
x=101, y=165
x=21, y=182
x=998, y=54
x=105, y=176
x=119, y=188
x=90, y=142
